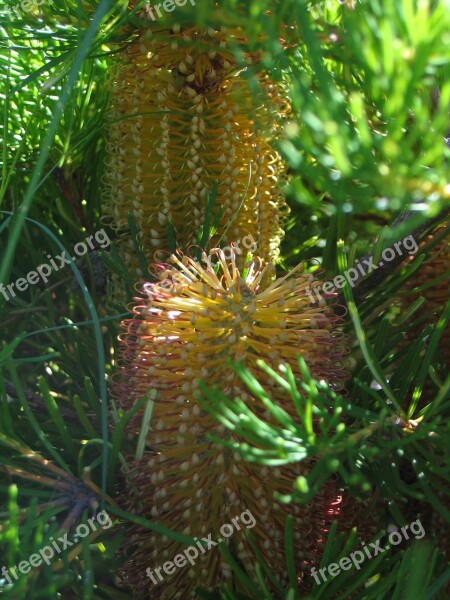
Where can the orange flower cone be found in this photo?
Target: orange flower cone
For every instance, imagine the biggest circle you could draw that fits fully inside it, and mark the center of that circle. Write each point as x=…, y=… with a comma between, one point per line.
x=185, y=329
x=433, y=281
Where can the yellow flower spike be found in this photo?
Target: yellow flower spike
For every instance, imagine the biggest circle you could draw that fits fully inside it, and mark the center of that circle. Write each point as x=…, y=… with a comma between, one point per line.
x=185, y=332
x=180, y=120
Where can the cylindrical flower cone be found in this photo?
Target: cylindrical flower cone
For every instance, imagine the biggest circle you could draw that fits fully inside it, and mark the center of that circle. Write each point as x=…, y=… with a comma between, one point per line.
x=185, y=329
x=433, y=283
x=182, y=118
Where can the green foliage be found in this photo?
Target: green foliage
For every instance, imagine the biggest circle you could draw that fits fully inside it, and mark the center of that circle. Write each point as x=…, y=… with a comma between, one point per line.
x=370, y=95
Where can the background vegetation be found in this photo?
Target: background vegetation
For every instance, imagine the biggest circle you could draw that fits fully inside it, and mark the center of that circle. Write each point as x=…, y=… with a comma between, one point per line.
x=368, y=165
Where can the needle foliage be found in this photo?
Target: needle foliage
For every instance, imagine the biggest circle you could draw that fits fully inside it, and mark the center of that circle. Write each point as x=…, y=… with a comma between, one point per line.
x=365, y=148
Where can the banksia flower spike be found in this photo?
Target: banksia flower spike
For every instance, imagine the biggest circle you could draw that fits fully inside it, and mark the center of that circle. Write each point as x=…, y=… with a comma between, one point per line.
x=186, y=328
x=434, y=278
x=433, y=281
x=182, y=118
